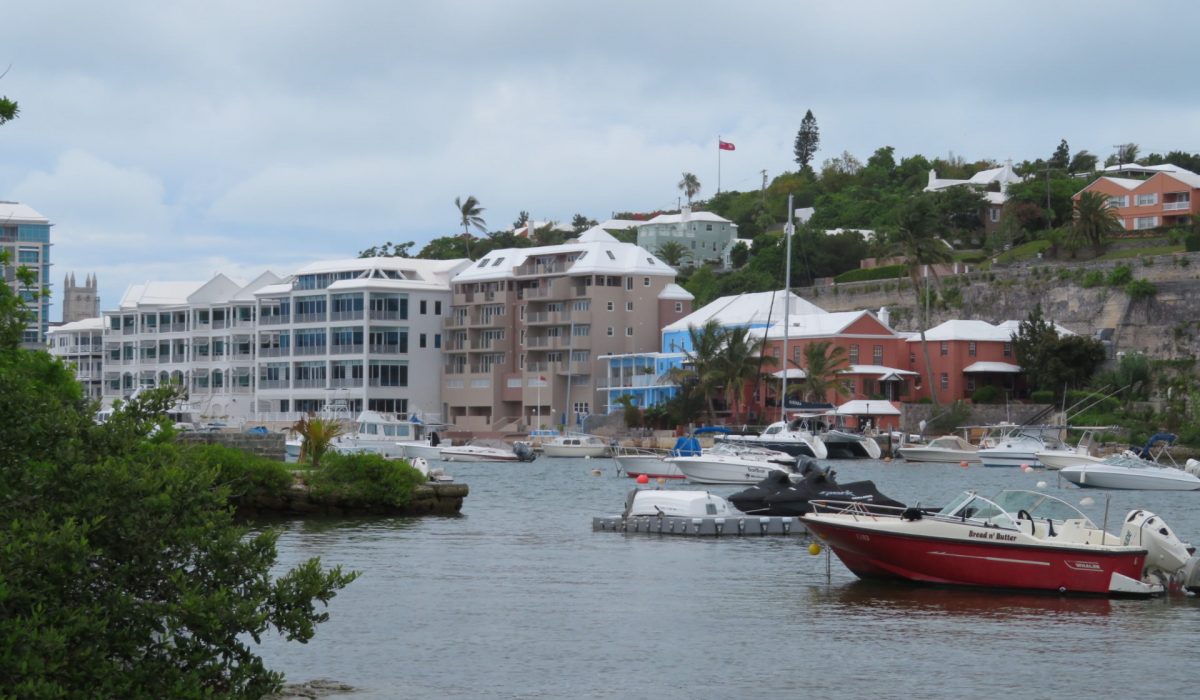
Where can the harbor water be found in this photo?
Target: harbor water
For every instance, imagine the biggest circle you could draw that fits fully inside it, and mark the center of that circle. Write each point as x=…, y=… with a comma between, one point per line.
x=519, y=598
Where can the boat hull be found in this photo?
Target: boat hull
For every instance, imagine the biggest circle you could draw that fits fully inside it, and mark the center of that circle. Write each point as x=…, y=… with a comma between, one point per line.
x=1102, y=477
x=998, y=457
x=649, y=466
x=874, y=554
x=842, y=445
x=723, y=470
x=795, y=448
x=424, y=451
x=1062, y=460
x=921, y=454
x=549, y=450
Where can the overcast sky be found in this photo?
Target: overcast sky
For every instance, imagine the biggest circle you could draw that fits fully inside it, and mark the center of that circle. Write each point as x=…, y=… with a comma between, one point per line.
x=170, y=141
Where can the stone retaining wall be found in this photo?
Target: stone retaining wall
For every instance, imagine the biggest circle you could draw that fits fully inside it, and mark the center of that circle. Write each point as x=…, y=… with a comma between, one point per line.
x=270, y=445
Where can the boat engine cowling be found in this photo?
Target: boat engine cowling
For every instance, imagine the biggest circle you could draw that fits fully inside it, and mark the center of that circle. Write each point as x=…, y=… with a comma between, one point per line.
x=1166, y=555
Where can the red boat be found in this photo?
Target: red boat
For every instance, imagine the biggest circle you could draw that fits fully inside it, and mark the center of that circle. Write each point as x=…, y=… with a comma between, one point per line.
x=1018, y=540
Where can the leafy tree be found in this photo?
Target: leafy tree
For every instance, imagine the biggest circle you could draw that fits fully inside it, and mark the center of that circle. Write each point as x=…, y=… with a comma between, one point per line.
x=629, y=408
x=318, y=434
x=1062, y=156
x=1033, y=345
x=822, y=363
x=673, y=253
x=808, y=139
x=470, y=214
x=581, y=223
x=1095, y=219
x=689, y=185
x=1125, y=153
x=447, y=248
x=961, y=211
x=739, y=362
x=8, y=108
x=387, y=250
x=522, y=219
x=122, y=571
x=918, y=241
x=1060, y=187
x=1073, y=360
x=740, y=254
x=1083, y=162
x=702, y=360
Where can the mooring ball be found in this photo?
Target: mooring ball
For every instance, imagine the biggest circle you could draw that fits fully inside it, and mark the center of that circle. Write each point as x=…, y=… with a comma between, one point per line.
x=963, y=464
x=661, y=480
x=596, y=472
x=887, y=460
x=1041, y=484
x=814, y=549
x=1024, y=467
x=643, y=479
x=1086, y=501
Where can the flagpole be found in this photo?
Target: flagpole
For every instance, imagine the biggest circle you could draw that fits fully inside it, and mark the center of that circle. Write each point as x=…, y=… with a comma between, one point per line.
x=718, y=164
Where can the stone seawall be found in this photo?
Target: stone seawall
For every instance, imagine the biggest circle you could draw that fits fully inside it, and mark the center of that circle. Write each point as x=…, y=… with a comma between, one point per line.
x=270, y=445
x=428, y=499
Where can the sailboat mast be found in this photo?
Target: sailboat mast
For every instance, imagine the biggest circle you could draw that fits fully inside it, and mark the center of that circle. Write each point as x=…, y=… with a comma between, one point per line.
x=787, y=307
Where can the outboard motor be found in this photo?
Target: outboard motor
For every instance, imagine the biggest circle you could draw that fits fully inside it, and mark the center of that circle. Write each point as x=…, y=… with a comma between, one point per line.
x=1166, y=555
x=524, y=451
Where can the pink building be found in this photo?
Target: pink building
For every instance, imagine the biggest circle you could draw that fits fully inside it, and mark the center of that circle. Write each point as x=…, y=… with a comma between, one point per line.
x=1159, y=195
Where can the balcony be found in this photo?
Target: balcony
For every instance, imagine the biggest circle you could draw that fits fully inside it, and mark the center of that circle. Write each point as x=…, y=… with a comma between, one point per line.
x=457, y=321
x=346, y=383
x=386, y=349
x=385, y=315
x=355, y=315
x=552, y=268
x=275, y=320
x=308, y=384
x=1177, y=206
x=346, y=349
x=311, y=350
x=311, y=318
x=272, y=352
x=272, y=384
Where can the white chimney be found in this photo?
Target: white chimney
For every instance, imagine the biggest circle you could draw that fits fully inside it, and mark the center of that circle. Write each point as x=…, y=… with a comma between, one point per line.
x=884, y=316
x=685, y=214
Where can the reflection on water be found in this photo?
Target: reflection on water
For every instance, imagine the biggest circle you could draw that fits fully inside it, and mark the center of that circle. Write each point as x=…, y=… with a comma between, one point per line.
x=519, y=598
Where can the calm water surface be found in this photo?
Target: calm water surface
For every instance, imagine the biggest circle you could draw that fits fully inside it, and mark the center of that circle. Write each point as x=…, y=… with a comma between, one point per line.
x=518, y=598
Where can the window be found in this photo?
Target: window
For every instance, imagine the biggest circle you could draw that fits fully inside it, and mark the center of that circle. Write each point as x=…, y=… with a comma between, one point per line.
x=971, y=384
x=437, y=308
x=877, y=355
x=679, y=307
x=610, y=331
x=629, y=306
x=708, y=227
x=421, y=340
x=1008, y=349
x=610, y=255
x=645, y=281
x=994, y=214
x=628, y=332
x=1147, y=200
x=437, y=340
x=629, y=284
x=945, y=348
x=1122, y=201
x=945, y=381
x=611, y=306
x=498, y=261
x=971, y=348
x=912, y=359
x=1144, y=222
x=849, y=384
x=422, y=307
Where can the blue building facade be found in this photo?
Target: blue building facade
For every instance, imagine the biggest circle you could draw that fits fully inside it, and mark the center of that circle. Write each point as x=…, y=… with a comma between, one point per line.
x=25, y=237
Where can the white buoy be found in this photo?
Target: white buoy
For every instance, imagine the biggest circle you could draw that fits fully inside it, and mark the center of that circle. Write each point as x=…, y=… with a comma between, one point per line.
x=587, y=456
x=1041, y=484
x=596, y=472
x=1086, y=501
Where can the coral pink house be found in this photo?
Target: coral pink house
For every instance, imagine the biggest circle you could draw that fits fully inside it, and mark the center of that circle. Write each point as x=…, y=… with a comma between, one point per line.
x=1167, y=196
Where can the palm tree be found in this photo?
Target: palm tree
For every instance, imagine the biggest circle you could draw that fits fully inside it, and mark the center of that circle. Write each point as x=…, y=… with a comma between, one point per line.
x=317, y=434
x=706, y=342
x=629, y=407
x=739, y=362
x=471, y=214
x=1095, y=219
x=917, y=240
x=689, y=185
x=822, y=363
x=673, y=253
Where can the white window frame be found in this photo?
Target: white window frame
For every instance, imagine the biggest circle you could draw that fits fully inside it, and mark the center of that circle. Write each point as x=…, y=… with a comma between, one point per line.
x=1144, y=222
x=1118, y=201
x=1147, y=200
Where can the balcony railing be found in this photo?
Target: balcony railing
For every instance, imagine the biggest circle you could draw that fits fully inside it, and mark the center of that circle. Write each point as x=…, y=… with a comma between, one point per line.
x=355, y=315
x=311, y=350
x=311, y=318
x=384, y=348
x=309, y=384
x=272, y=384
x=345, y=383
x=384, y=315
x=275, y=320
x=346, y=349
x=1177, y=206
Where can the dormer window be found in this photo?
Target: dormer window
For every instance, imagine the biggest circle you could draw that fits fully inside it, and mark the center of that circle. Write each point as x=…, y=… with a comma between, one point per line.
x=484, y=262
x=610, y=255
x=498, y=261
x=650, y=260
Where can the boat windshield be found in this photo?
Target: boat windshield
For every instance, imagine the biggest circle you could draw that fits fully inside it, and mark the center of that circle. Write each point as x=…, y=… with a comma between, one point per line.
x=1006, y=507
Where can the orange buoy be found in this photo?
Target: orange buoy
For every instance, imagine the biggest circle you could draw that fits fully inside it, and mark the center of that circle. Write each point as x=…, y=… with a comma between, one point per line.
x=963, y=464
x=643, y=479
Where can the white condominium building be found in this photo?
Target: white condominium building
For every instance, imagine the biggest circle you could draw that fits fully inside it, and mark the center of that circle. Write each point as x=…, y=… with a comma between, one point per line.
x=80, y=345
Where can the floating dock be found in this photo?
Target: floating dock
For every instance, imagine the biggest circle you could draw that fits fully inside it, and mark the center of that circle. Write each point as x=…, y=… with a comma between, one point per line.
x=728, y=526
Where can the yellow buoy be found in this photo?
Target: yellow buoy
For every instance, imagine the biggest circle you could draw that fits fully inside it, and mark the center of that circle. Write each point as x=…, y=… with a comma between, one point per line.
x=814, y=549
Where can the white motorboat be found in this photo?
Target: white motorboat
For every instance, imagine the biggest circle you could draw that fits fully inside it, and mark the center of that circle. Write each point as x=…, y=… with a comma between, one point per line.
x=1083, y=453
x=427, y=445
x=677, y=503
x=489, y=451
x=794, y=438
x=732, y=464
x=850, y=444
x=1020, y=445
x=950, y=449
x=292, y=442
x=1125, y=471
x=575, y=445
x=376, y=433
x=640, y=461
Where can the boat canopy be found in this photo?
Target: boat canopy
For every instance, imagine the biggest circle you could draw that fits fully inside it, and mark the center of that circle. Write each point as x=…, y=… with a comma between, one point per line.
x=1009, y=506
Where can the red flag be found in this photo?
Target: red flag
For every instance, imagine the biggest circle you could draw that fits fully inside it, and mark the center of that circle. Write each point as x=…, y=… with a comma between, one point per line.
x=541, y=379
x=725, y=145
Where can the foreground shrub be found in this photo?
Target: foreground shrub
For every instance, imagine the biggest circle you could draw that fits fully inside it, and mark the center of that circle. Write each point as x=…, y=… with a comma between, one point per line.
x=246, y=476
x=364, y=480
x=985, y=394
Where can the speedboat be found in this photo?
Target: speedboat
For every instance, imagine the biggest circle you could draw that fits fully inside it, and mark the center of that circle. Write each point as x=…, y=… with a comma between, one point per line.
x=376, y=433
x=641, y=461
x=428, y=445
x=947, y=448
x=1084, y=452
x=794, y=438
x=575, y=445
x=1019, y=446
x=677, y=503
x=1125, y=471
x=489, y=451
x=781, y=493
x=1018, y=540
x=731, y=464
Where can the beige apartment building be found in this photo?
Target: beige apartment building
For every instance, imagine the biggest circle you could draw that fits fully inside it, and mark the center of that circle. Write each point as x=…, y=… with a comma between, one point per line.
x=529, y=327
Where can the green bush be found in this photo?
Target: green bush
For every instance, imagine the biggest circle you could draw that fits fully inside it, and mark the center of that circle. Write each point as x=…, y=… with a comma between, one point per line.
x=985, y=394
x=1120, y=276
x=1093, y=401
x=1141, y=289
x=246, y=475
x=1041, y=396
x=1191, y=242
x=1093, y=278
x=874, y=273
x=364, y=480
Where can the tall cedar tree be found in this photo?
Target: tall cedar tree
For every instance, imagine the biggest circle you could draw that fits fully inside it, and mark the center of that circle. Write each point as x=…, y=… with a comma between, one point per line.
x=808, y=139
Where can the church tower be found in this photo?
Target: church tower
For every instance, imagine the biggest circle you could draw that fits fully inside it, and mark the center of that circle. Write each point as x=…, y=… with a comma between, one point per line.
x=79, y=302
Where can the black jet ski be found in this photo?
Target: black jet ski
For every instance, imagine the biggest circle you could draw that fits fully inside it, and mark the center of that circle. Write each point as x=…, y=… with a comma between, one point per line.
x=782, y=493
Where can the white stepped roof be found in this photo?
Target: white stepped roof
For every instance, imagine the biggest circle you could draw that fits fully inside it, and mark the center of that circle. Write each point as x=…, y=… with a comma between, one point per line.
x=598, y=253
x=15, y=212
x=87, y=324
x=159, y=294
x=822, y=325
x=620, y=224
x=693, y=216
x=865, y=407
x=746, y=309
x=992, y=367
x=673, y=292
x=960, y=329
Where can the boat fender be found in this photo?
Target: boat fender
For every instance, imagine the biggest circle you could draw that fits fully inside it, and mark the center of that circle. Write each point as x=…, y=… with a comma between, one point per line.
x=912, y=514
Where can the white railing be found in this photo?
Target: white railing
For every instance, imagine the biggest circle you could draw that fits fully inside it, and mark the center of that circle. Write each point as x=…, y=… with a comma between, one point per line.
x=1177, y=206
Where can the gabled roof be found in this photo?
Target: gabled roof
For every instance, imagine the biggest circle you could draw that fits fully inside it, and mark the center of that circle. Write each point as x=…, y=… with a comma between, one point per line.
x=87, y=324
x=415, y=269
x=822, y=325
x=595, y=251
x=158, y=294
x=961, y=329
x=673, y=292
x=620, y=224
x=759, y=308
x=992, y=368
x=693, y=216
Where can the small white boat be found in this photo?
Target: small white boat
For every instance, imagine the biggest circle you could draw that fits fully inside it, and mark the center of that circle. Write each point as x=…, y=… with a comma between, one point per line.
x=376, y=433
x=1084, y=452
x=427, y=445
x=1019, y=447
x=1132, y=473
x=793, y=437
x=489, y=451
x=640, y=461
x=732, y=464
x=950, y=449
x=575, y=445
x=677, y=503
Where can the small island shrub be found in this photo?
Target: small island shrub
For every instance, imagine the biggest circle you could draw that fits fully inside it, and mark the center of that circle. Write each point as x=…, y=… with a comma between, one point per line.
x=364, y=480
x=1120, y=276
x=1141, y=289
x=246, y=476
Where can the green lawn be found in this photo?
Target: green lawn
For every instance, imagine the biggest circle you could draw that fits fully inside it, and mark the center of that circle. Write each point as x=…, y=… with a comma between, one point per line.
x=1025, y=251
x=1124, y=253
